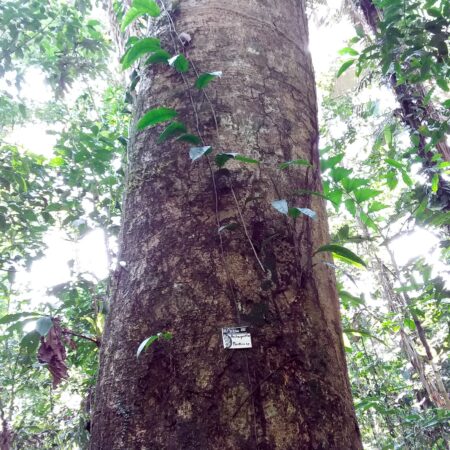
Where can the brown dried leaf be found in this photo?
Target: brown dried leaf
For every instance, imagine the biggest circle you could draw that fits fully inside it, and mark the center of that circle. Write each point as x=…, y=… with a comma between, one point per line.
x=53, y=353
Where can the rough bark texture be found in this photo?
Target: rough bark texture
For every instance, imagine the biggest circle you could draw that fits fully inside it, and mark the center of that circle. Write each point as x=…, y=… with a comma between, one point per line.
x=291, y=390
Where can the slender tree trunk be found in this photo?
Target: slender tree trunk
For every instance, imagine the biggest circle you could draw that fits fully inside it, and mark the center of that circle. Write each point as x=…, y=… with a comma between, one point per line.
x=434, y=388
x=440, y=396
x=181, y=274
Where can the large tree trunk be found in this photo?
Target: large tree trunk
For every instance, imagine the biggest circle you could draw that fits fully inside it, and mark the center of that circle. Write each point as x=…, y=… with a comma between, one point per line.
x=291, y=390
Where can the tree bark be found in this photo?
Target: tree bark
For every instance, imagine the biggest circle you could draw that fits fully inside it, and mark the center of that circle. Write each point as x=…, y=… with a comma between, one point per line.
x=181, y=274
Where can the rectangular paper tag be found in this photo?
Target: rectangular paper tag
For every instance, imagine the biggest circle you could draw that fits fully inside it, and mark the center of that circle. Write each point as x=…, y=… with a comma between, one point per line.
x=236, y=337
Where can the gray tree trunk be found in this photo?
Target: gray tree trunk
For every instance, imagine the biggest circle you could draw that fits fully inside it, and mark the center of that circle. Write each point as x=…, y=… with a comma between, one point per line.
x=291, y=390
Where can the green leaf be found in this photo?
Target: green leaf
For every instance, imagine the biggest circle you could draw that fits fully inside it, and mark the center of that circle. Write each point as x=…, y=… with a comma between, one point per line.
x=295, y=212
x=343, y=253
x=350, y=300
x=394, y=163
x=205, y=78
x=376, y=206
x=43, y=325
x=434, y=12
x=343, y=233
x=145, y=344
x=30, y=342
x=335, y=197
x=350, y=184
x=139, y=8
x=362, y=332
x=197, y=152
x=350, y=205
x=8, y=318
x=364, y=194
x=391, y=180
x=246, y=159
x=172, y=130
x=388, y=135
x=344, y=67
x=229, y=226
x=166, y=335
x=222, y=158
x=155, y=116
x=179, y=63
x=406, y=178
x=131, y=15
x=442, y=84
x=190, y=139
x=331, y=162
x=140, y=48
x=159, y=56
x=150, y=6
x=409, y=323
x=435, y=183
x=348, y=51
x=366, y=220
x=339, y=173
x=295, y=162
x=3, y=224
x=19, y=325
x=57, y=161
x=281, y=206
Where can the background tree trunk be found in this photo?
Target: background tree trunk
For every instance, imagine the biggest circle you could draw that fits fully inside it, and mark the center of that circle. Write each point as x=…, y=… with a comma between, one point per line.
x=291, y=390
x=409, y=96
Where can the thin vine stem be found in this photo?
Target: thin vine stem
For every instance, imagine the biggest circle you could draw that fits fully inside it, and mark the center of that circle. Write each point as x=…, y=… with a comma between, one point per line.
x=216, y=201
x=245, y=229
x=216, y=196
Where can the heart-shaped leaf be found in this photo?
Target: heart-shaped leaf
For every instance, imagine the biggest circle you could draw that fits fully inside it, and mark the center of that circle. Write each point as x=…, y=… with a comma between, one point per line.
x=222, y=158
x=138, y=49
x=43, y=325
x=197, y=152
x=159, y=56
x=190, y=139
x=140, y=8
x=155, y=116
x=281, y=206
x=180, y=63
x=296, y=212
x=205, y=78
x=172, y=130
x=166, y=335
x=145, y=344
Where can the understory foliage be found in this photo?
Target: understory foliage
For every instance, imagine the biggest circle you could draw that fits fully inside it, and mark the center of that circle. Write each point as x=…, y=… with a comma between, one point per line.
x=385, y=180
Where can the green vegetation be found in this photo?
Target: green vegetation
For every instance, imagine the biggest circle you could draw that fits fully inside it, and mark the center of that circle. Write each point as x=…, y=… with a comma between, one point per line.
x=385, y=177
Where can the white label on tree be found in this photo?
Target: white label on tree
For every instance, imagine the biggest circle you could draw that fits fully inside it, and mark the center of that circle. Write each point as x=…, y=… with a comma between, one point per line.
x=236, y=337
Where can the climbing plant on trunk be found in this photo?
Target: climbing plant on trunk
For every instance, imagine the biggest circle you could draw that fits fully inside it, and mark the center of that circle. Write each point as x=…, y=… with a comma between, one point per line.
x=221, y=226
